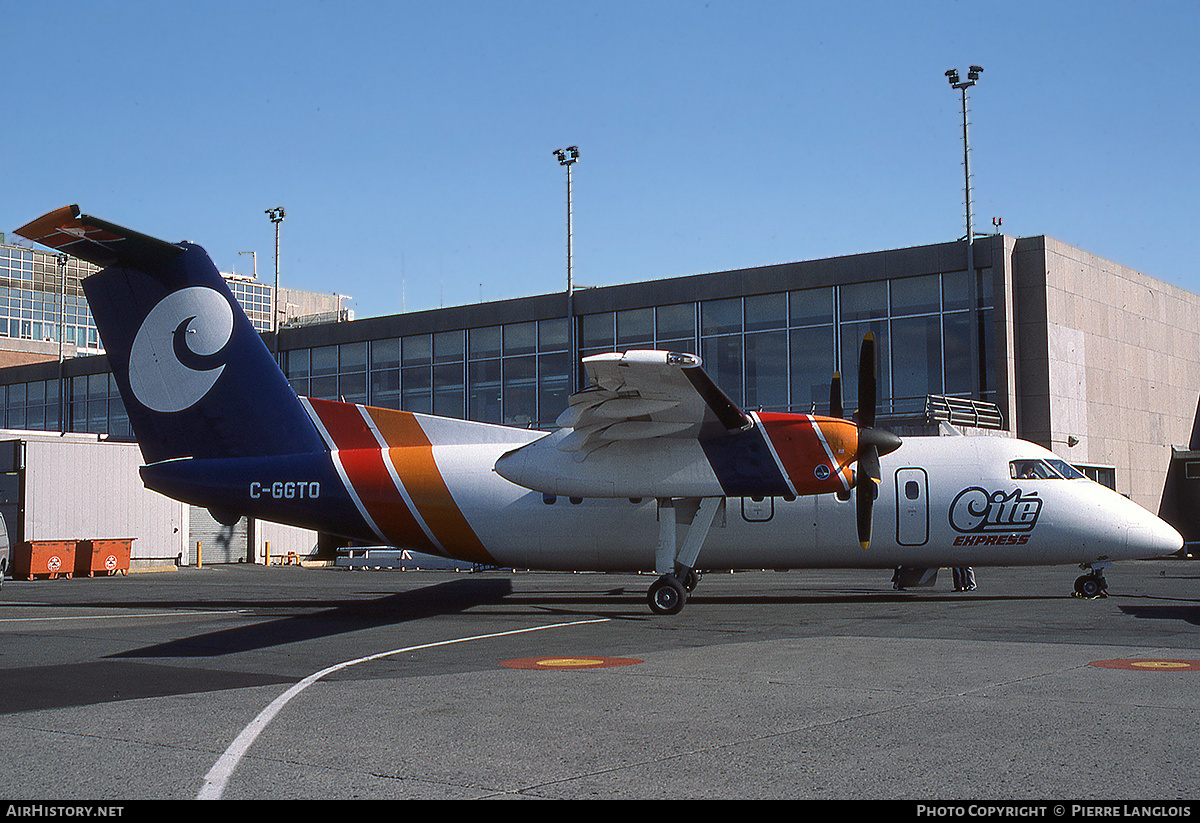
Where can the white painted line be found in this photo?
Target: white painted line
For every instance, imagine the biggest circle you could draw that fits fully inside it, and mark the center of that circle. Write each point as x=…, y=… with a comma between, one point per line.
x=218, y=776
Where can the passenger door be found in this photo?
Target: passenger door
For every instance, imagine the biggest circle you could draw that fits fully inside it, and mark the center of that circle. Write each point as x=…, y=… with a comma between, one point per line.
x=912, y=507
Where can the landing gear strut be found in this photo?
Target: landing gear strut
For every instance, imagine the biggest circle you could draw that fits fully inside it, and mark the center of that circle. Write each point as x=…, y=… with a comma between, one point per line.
x=676, y=563
x=1093, y=584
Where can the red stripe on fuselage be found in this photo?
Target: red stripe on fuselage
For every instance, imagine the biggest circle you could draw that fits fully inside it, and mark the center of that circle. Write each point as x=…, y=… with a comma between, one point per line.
x=362, y=460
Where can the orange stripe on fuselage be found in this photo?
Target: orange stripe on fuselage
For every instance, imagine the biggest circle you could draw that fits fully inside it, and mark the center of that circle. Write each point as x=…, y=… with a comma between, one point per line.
x=797, y=439
x=411, y=454
x=362, y=460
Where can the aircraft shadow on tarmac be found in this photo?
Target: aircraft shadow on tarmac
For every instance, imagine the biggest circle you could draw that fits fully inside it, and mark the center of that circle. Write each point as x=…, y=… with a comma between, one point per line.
x=117, y=677
x=339, y=618
x=1188, y=614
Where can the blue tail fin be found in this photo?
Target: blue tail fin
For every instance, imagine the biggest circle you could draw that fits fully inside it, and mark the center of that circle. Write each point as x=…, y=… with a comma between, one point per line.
x=195, y=376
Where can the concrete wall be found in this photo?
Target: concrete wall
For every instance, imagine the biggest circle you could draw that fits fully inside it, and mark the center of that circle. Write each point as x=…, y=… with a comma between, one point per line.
x=1108, y=356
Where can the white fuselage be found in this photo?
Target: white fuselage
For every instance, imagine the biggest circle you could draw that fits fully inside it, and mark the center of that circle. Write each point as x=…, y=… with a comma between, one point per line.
x=943, y=501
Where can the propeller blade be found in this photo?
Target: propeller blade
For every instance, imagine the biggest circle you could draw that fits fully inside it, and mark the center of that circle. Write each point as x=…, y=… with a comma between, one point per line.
x=867, y=387
x=865, y=491
x=835, y=396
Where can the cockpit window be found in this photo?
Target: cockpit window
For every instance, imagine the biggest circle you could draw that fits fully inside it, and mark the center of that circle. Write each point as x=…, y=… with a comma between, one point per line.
x=1031, y=470
x=1067, y=470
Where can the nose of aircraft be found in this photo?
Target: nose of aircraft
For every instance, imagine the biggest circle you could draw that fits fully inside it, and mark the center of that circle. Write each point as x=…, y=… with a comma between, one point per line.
x=1148, y=536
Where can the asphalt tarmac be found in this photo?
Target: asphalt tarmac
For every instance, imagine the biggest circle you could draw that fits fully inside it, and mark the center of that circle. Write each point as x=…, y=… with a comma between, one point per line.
x=242, y=682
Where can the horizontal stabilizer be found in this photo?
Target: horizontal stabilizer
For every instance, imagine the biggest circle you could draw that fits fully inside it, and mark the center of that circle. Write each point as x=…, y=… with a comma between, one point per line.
x=97, y=241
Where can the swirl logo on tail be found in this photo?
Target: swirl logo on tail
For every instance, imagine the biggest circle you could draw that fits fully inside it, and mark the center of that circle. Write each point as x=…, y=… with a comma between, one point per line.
x=172, y=364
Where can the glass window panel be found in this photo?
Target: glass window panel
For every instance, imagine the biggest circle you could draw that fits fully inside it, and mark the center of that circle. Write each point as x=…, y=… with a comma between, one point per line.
x=118, y=420
x=687, y=344
x=767, y=370
x=956, y=295
x=324, y=388
x=353, y=357
x=449, y=347
x=766, y=311
x=416, y=350
x=917, y=366
x=449, y=391
x=812, y=366
x=676, y=322
x=553, y=386
x=723, y=362
x=860, y=301
x=16, y=417
x=596, y=332
x=984, y=288
x=353, y=387
x=17, y=393
x=324, y=361
x=484, y=342
x=987, y=365
x=957, y=350
x=416, y=389
x=552, y=335
x=483, y=391
x=97, y=416
x=635, y=327
x=520, y=391
x=385, y=353
x=721, y=316
x=97, y=386
x=520, y=338
x=916, y=295
x=35, y=417
x=811, y=307
x=385, y=388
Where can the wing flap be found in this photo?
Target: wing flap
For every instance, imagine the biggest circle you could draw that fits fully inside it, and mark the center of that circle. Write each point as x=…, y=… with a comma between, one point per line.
x=642, y=395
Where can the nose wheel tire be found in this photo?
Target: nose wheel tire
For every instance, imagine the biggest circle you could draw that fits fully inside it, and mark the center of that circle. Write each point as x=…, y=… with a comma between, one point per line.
x=1091, y=586
x=667, y=595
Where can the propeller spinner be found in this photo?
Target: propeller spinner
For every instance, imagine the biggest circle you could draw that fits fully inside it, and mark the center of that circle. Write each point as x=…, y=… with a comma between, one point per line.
x=872, y=442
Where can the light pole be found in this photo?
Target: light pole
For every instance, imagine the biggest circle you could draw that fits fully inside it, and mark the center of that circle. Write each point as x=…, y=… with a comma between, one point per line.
x=972, y=77
x=972, y=285
x=276, y=215
x=62, y=311
x=567, y=157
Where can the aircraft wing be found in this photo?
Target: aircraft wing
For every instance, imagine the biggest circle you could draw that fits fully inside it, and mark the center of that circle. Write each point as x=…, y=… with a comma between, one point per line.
x=641, y=395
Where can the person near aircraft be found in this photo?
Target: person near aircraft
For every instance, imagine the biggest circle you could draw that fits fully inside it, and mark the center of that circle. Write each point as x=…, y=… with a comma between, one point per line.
x=964, y=579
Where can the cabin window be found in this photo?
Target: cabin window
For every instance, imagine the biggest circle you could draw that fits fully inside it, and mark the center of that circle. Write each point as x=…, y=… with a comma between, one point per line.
x=912, y=490
x=1031, y=470
x=1067, y=470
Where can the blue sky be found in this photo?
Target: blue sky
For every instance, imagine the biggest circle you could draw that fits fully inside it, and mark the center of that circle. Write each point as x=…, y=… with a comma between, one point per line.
x=411, y=142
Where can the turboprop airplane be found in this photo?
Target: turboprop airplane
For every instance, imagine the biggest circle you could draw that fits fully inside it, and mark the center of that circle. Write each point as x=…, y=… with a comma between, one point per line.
x=652, y=466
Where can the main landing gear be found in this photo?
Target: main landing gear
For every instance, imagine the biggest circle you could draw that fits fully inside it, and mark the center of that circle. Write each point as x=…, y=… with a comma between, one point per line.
x=1093, y=584
x=669, y=593
x=675, y=562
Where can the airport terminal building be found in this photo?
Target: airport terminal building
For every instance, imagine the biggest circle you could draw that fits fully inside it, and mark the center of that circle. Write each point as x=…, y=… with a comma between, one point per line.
x=1043, y=341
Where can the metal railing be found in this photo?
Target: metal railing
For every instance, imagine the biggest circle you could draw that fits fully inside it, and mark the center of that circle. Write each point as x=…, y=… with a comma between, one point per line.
x=962, y=411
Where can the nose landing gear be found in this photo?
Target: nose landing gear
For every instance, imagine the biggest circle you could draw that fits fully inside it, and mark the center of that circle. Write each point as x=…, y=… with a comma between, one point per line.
x=1091, y=585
